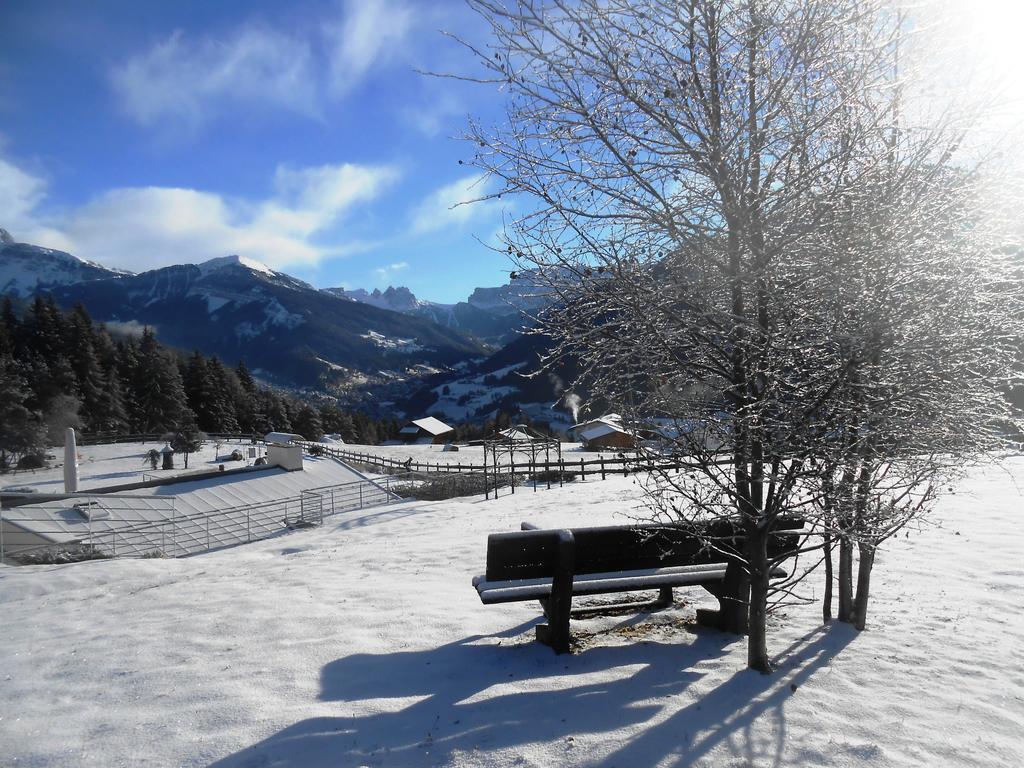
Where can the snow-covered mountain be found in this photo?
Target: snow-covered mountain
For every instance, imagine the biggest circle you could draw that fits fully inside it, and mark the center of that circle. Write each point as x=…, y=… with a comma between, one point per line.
x=398, y=299
x=374, y=345
x=286, y=330
x=495, y=316
x=27, y=269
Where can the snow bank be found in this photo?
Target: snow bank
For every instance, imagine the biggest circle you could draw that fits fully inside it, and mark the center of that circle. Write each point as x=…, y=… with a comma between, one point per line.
x=363, y=643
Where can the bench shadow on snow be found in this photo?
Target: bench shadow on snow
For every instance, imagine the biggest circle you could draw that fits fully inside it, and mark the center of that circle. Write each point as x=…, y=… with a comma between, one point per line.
x=456, y=714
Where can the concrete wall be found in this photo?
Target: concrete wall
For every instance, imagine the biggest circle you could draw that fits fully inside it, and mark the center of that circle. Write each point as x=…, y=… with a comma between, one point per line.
x=285, y=456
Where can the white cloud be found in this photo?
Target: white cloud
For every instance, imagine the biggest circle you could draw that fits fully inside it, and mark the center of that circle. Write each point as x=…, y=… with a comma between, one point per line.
x=193, y=79
x=386, y=273
x=20, y=193
x=453, y=206
x=190, y=80
x=435, y=114
x=139, y=228
x=370, y=32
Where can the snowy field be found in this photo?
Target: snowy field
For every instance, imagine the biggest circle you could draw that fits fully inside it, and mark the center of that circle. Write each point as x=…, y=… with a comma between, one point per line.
x=100, y=466
x=363, y=643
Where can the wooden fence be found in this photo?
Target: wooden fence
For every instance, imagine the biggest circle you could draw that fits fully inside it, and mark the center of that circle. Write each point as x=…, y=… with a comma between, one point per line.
x=582, y=467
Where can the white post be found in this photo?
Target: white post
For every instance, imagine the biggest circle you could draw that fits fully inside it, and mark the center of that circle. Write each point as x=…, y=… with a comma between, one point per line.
x=70, y=461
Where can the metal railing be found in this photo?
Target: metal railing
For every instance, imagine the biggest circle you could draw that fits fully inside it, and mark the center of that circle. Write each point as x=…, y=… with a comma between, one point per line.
x=82, y=526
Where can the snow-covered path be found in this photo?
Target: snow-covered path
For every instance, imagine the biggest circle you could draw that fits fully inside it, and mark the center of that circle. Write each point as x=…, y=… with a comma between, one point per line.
x=363, y=643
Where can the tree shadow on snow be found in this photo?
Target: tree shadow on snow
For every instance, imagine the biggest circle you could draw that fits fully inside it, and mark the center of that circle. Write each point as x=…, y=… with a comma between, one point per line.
x=727, y=714
x=452, y=708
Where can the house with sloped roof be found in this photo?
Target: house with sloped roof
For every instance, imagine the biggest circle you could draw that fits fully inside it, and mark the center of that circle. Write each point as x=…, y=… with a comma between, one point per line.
x=426, y=430
x=605, y=433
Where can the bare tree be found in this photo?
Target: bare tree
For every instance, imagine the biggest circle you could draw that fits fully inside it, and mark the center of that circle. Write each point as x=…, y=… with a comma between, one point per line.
x=926, y=326
x=689, y=162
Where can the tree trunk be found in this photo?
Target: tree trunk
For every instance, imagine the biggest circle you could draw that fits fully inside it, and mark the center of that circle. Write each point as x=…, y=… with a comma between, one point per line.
x=757, y=639
x=826, y=602
x=845, y=579
x=828, y=503
x=867, y=562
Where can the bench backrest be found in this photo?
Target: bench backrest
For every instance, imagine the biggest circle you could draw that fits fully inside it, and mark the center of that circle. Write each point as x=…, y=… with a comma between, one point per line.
x=532, y=554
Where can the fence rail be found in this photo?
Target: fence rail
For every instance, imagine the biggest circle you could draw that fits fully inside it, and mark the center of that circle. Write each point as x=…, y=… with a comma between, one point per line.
x=582, y=468
x=109, y=525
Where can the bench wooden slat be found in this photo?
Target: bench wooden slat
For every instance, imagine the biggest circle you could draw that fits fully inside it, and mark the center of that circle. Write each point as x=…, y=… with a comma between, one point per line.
x=598, y=583
x=531, y=553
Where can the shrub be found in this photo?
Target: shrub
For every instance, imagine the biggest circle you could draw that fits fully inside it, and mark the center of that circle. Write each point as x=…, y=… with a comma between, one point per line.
x=60, y=555
x=441, y=486
x=554, y=476
x=32, y=461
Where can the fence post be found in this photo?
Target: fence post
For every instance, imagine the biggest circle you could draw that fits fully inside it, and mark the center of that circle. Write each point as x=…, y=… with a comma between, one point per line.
x=561, y=473
x=603, y=475
x=547, y=472
x=512, y=470
x=208, y=530
x=360, y=495
x=248, y=530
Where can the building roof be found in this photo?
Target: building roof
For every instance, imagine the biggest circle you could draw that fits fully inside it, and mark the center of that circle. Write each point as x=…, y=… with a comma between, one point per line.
x=282, y=437
x=73, y=519
x=429, y=424
x=609, y=418
x=598, y=429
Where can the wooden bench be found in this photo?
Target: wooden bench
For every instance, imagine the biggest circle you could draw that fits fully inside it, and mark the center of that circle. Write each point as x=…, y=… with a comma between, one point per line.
x=552, y=566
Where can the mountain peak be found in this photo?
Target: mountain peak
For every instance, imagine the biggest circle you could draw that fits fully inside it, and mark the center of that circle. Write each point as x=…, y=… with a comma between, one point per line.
x=5, y=237
x=399, y=299
x=235, y=260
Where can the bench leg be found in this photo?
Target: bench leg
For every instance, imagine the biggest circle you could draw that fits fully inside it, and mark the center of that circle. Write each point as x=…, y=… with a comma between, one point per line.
x=733, y=595
x=556, y=632
x=665, y=596
x=545, y=607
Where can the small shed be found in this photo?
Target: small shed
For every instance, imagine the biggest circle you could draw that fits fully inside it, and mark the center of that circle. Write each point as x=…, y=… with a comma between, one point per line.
x=426, y=430
x=604, y=433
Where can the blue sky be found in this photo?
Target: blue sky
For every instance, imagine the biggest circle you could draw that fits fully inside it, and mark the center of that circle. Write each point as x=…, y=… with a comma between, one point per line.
x=140, y=134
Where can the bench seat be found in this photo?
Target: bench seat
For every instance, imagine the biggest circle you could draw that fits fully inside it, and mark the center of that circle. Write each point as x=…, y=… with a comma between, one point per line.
x=598, y=583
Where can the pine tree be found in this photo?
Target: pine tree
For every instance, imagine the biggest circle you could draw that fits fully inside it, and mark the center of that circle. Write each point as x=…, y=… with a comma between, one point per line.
x=20, y=427
x=158, y=387
x=224, y=392
x=9, y=328
x=245, y=379
x=277, y=413
x=127, y=374
x=307, y=423
x=81, y=353
x=111, y=415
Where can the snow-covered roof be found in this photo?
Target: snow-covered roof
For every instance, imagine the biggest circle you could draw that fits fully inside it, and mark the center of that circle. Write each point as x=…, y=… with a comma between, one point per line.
x=609, y=418
x=521, y=434
x=283, y=437
x=65, y=520
x=599, y=429
x=429, y=424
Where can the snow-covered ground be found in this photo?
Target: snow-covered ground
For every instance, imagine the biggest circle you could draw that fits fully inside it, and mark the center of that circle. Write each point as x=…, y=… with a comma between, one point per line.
x=100, y=466
x=363, y=643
